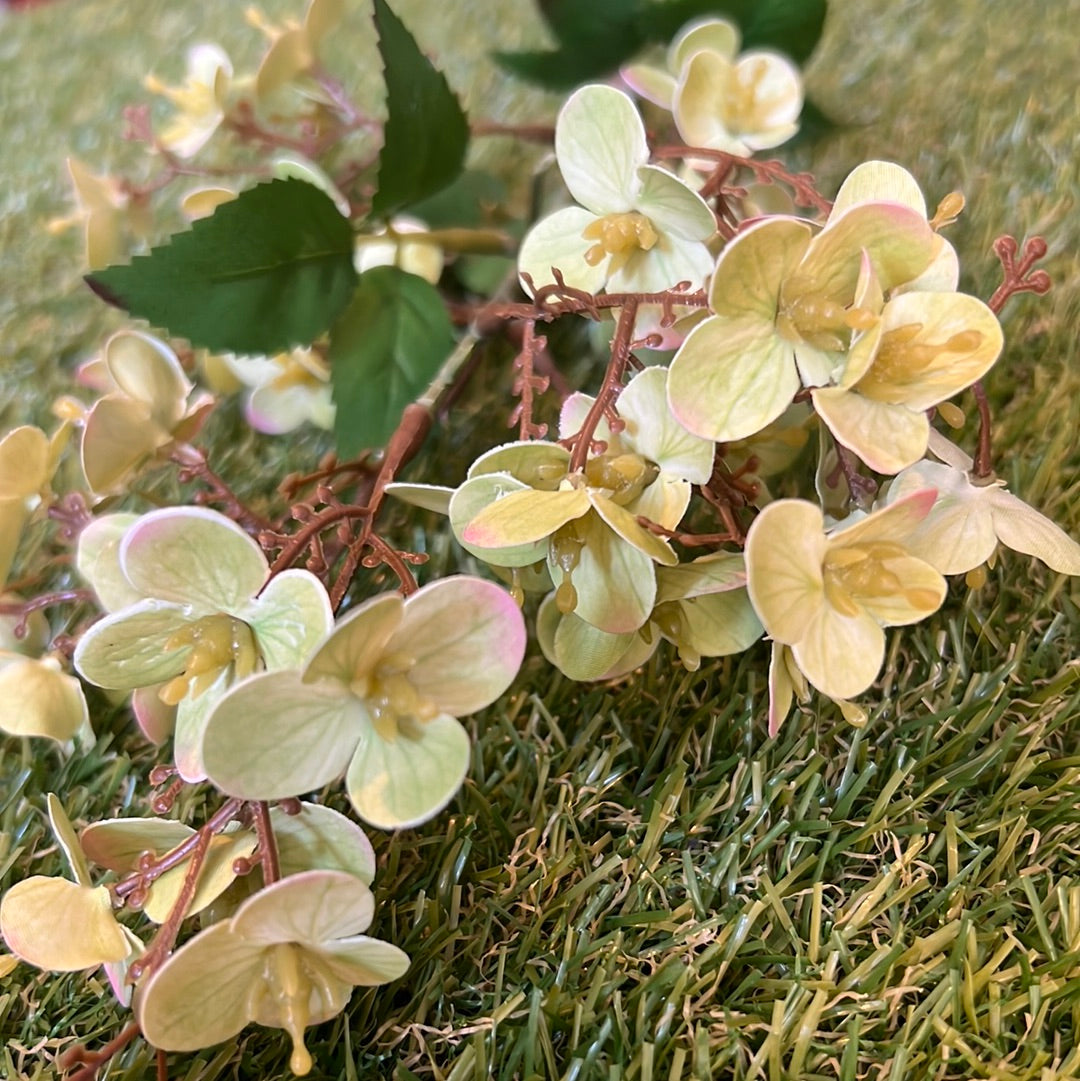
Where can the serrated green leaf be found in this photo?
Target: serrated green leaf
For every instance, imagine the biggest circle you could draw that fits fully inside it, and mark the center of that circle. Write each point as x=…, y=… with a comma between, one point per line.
x=384, y=351
x=426, y=133
x=269, y=270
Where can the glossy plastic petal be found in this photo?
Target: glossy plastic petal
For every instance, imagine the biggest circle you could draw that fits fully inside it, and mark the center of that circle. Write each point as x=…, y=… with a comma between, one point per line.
x=290, y=618
x=525, y=517
x=356, y=643
x=321, y=839
x=127, y=649
x=475, y=495
x=312, y=908
x=556, y=243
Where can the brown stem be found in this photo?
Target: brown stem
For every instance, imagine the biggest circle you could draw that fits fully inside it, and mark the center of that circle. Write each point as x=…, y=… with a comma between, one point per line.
x=616, y=369
x=268, y=851
x=981, y=467
x=194, y=466
x=526, y=383
x=92, y=1061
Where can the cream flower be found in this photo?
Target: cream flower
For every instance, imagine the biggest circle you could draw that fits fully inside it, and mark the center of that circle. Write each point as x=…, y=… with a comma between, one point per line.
x=27, y=463
x=828, y=595
x=200, y=101
x=286, y=390
x=393, y=248
x=638, y=228
x=294, y=48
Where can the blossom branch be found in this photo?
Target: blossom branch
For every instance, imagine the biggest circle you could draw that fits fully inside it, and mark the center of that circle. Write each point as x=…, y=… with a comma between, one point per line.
x=526, y=383
x=194, y=466
x=92, y=1061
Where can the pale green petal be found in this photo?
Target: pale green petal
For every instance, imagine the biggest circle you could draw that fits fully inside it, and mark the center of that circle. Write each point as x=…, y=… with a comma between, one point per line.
x=321, y=839
x=147, y=370
x=673, y=259
x=536, y=462
x=127, y=649
x=1024, y=529
x=203, y=993
x=732, y=377
x=117, y=843
x=664, y=501
x=653, y=432
x=193, y=556
x=841, y=655
x=672, y=206
x=572, y=416
x=474, y=496
x=556, y=243
x=524, y=517
x=97, y=559
x=467, y=637
x=878, y=182
x=625, y=524
x=651, y=83
x=13, y=515
x=615, y=582
x=32, y=911
x=578, y=650
x=357, y=642
x=215, y=878
x=192, y=713
x=434, y=497
x=719, y=624
x=781, y=689
x=714, y=35
x=38, y=699
x=117, y=436
x=68, y=840
x=273, y=736
x=312, y=908
x=599, y=143
x=710, y=574
x=24, y=455
x=886, y=437
x=290, y=618
x=363, y=961
x=399, y=783
x=941, y=276
x=785, y=550
x=753, y=267
x=897, y=239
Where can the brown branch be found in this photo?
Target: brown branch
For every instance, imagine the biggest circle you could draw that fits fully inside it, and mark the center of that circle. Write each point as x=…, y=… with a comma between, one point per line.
x=268, y=851
x=194, y=466
x=92, y=1061
x=526, y=383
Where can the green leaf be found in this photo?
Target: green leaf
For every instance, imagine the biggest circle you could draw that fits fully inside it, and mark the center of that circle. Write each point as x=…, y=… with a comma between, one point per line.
x=267, y=271
x=384, y=351
x=426, y=133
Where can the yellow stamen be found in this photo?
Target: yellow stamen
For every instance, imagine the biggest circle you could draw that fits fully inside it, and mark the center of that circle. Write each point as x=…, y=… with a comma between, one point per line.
x=948, y=210
x=216, y=642
x=619, y=235
x=626, y=476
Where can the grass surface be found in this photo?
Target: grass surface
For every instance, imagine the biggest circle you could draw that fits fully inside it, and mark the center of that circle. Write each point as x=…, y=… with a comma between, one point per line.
x=635, y=882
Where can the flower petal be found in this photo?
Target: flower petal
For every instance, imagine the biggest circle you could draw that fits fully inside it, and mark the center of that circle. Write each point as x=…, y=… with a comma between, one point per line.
x=732, y=377
x=305, y=736
x=524, y=517
x=356, y=643
x=148, y=371
x=290, y=618
x=467, y=637
x=192, y=713
x=649, y=83
x=625, y=524
x=878, y=182
x=321, y=839
x=535, y=462
x=719, y=624
x=127, y=649
x=193, y=556
x=920, y=594
x=117, y=843
x=673, y=206
x=117, y=437
x=38, y=699
x=312, y=908
x=474, y=496
x=579, y=650
x=24, y=454
x=840, y=655
x=753, y=266
x=399, y=783
x=1024, y=529
x=433, y=497
x=599, y=143
x=556, y=243
x=710, y=574
x=97, y=559
x=714, y=35
x=886, y=437
x=671, y=260
x=363, y=961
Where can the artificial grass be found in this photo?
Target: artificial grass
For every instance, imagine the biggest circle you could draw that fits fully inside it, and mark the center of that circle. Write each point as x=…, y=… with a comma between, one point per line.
x=635, y=882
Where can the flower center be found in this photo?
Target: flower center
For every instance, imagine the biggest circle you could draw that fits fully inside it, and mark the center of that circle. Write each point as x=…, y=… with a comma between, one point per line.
x=858, y=572
x=565, y=548
x=396, y=706
x=295, y=373
x=216, y=642
x=287, y=980
x=619, y=235
x=813, y=318
x=745, y=95
x=625, y=476
x=901, y=362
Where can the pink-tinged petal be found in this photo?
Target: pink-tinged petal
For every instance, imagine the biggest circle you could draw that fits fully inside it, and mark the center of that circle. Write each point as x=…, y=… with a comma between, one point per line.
x=712, y=35
x=672, y=260
x=467, y=637
x=898, y=240
x=38, y=699
x=878, y=182
x=148, y=371
x=355, y=645
x=840, y=655
x=24, y=454
x=625, y=524
x=1024, y=529
x=305, y=735
x=649, y=83
x=128, y=649
x=97, y=559
x=599, y=143
x=275, y=411
x=399, y=783
x=312, y=908
x=203, y=993
x=32, y=911
x=155, y=718
x=290, y=618
x=731, y=378
x=118, y=436
x=654, y=433
x=886, y=437
x=474, y=496
x=578, y=650
x=615, y=582
x=753, y=267
x=524, y=517
x=193, y=556
x=672, y=206
x=556, y=243
x=785, y=550
x=958, y=533
x=116, y=972
x=892, y=523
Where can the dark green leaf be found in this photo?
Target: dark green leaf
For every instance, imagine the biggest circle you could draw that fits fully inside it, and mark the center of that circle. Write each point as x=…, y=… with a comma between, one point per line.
x=426, y=132
x=792, y=26
x=474, y=199
x=267, y=271
x=384, y=351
